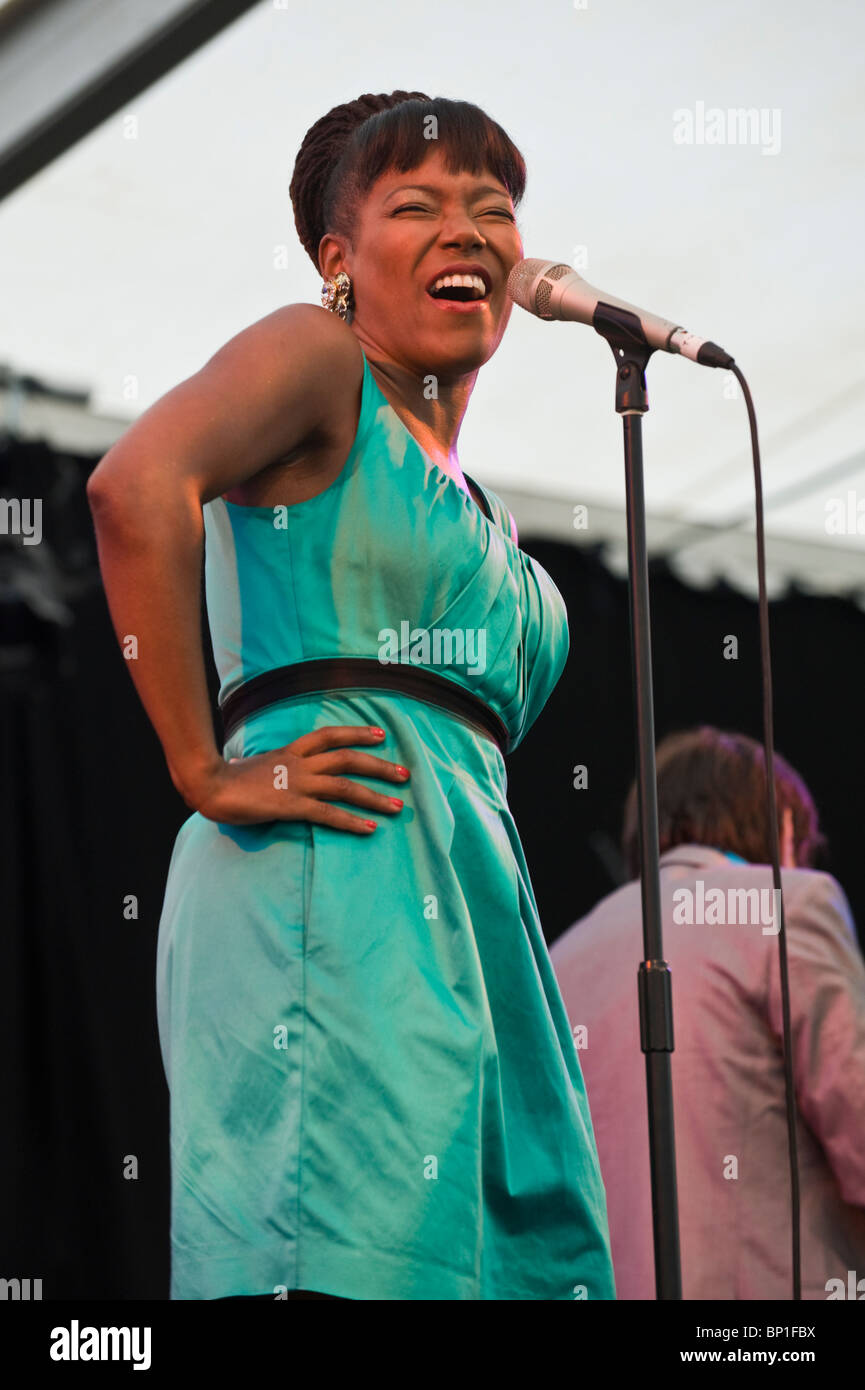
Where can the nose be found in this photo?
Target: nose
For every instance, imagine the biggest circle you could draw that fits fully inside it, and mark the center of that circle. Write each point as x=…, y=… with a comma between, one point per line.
x=459, y=229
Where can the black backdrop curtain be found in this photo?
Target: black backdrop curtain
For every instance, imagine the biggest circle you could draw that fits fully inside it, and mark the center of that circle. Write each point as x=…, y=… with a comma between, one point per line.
x=89, y=816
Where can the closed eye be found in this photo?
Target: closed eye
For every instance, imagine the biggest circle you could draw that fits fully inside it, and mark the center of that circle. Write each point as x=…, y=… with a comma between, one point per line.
x=416, y=207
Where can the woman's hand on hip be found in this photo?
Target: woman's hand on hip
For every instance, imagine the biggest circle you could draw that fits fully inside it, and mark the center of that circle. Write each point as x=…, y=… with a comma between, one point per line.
x=300, y=781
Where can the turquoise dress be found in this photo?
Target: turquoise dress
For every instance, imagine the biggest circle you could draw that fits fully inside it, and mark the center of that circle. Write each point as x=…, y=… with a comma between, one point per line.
x=374, y=1089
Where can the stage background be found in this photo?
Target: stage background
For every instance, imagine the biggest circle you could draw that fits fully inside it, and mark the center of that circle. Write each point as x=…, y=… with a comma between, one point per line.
x=89, y=816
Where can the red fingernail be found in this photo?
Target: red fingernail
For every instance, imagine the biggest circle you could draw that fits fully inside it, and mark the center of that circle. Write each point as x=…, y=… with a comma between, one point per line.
x=403, y=771
x=378, y=732
x=395, y=801
x=370, y=823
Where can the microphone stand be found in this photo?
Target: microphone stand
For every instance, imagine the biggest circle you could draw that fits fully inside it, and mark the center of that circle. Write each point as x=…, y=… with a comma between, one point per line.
x=623, y=331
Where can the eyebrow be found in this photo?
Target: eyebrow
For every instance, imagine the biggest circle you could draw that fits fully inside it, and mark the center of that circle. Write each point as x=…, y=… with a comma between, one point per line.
x=431, y=188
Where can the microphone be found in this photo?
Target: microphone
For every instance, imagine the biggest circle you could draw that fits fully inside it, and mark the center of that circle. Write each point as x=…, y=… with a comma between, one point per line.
x=552, y=290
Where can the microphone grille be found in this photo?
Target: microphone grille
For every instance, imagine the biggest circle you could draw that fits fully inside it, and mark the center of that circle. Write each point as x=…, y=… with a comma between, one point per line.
x=533, y=272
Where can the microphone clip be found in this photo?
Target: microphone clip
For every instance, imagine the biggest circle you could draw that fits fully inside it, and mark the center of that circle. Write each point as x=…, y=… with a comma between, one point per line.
x=624, y=333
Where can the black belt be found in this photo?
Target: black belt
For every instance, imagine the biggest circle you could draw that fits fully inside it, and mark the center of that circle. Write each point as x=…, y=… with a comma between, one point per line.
x=360, y=673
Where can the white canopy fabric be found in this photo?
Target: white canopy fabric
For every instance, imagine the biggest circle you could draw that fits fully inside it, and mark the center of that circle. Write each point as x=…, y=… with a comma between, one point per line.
x=703, y=162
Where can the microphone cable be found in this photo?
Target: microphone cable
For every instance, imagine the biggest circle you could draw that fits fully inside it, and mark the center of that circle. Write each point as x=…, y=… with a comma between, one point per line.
x=768, y=747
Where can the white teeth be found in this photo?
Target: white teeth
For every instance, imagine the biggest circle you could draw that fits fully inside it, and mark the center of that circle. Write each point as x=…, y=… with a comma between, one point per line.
x=474, y=282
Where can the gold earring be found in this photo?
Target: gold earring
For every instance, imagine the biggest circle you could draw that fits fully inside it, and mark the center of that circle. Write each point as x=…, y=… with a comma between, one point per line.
x=335, y=294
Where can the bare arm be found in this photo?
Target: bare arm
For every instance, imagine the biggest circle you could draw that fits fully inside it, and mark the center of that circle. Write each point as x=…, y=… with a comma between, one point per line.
x=151, y=570
x=261, y=396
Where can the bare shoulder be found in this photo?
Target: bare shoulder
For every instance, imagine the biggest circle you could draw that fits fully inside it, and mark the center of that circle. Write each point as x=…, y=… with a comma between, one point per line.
x=280, y=388
x=307, y=353
x=308, y=326
x=325, y=373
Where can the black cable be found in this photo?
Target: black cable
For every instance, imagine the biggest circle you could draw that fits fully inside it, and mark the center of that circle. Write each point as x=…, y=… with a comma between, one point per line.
x=768, y=745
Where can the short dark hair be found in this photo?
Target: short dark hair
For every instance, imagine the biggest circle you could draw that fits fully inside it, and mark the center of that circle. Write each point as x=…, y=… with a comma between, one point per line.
x=343, y=154
x=712, y=791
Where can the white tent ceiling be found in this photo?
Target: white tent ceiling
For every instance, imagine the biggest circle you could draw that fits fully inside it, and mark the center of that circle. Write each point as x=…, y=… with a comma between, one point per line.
x=128, y=260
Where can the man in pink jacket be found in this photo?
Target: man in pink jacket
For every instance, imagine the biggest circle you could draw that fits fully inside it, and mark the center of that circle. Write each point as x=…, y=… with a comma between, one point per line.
x=720, y=940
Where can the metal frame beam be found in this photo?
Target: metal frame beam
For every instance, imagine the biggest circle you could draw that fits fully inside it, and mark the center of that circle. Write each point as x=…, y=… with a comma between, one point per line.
x=67, y=65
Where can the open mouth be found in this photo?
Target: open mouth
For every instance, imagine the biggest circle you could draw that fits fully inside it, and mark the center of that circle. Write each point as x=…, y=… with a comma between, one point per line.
x=459, y=289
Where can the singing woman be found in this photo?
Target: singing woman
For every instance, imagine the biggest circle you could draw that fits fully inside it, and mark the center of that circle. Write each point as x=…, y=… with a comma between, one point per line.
x=374, y=1088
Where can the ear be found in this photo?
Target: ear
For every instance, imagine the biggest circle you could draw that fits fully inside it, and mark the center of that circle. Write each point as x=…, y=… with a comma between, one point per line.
x=332, y=256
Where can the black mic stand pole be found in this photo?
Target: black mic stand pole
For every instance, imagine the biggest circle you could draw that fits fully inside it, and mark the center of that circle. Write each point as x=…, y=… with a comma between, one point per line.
x=623, y=332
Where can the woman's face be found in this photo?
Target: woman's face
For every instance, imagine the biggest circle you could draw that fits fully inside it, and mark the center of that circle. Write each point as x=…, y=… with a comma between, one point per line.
x=412, y=226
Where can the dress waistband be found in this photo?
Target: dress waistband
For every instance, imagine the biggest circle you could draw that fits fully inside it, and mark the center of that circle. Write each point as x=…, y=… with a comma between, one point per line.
x=360, y=673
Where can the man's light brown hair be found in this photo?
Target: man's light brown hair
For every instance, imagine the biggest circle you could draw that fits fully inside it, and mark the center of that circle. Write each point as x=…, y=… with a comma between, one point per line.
x=712, y=791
